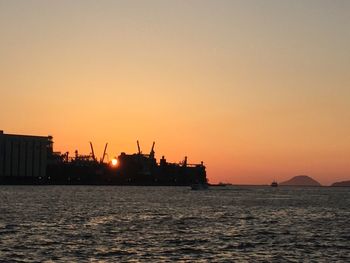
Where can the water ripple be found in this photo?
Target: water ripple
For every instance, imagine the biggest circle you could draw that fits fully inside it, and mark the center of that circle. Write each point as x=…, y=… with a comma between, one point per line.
x=165, y=224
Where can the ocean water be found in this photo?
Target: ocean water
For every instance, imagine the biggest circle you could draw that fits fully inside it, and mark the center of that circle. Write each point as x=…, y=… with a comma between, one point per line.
x=166, y=224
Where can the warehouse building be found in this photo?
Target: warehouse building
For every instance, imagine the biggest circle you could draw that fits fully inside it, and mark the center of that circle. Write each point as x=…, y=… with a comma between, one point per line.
x=24, y=155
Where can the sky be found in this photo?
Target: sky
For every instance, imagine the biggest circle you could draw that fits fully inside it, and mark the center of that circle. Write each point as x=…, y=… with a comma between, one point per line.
x=258, y=90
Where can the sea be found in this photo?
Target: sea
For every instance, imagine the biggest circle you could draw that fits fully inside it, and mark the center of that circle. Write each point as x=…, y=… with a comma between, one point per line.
x=174, y=224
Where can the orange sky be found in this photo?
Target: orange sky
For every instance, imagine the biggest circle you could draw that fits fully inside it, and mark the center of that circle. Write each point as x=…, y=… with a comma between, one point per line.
x=258, y=90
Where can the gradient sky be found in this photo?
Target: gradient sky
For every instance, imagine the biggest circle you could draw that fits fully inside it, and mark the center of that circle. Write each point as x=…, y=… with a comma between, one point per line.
x=258, y=90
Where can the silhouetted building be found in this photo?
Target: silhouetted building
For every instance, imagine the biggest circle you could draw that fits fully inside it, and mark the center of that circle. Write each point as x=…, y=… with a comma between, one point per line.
x=24, y=155
x=26, y=159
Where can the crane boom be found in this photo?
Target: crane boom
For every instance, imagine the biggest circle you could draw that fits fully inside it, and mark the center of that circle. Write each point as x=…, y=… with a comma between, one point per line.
x=138, y=146
x=92, y=151
x=152, y=150
x=104, y=153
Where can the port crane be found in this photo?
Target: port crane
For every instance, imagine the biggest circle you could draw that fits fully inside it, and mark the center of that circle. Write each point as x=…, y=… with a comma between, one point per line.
x=93, y=153
x=151, y=154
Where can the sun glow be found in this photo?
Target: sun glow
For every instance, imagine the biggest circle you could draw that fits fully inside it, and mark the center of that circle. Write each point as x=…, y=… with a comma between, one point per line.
x=114, y=162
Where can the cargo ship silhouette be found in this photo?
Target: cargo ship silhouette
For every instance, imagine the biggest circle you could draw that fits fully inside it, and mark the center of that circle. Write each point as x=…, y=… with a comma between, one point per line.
x=28, y=159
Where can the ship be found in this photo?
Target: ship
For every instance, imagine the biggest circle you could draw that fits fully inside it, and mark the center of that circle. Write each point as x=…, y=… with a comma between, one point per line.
x=274, y=184
x=31, y=160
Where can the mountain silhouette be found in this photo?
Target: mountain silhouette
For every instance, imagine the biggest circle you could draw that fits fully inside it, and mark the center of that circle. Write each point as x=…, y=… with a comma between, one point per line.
x=343, y=183
x=301, y=180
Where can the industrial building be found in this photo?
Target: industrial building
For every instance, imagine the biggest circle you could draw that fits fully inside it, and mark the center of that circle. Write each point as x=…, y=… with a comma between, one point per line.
x=24, y=155
x=30, y=160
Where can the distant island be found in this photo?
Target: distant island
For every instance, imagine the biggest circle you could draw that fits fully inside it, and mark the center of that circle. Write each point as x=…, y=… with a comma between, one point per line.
x=340, y=184
x=301, y=180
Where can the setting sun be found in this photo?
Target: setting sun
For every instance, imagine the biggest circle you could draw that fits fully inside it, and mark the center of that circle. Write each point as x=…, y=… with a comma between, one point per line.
x=114, y=162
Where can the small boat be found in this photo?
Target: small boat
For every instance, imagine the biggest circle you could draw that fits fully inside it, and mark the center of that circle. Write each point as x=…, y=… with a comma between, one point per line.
x=199, y=187
x=274, y=184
